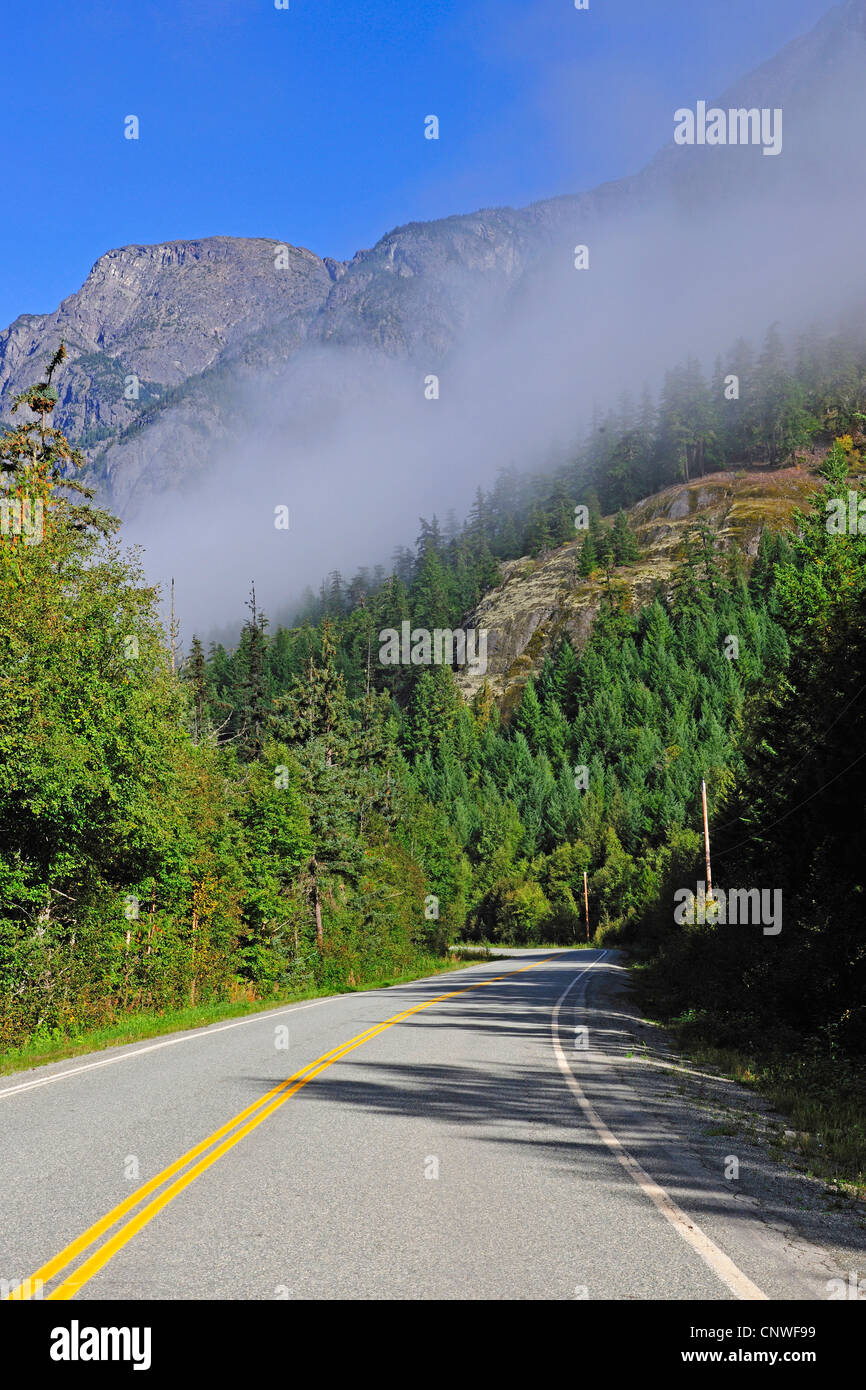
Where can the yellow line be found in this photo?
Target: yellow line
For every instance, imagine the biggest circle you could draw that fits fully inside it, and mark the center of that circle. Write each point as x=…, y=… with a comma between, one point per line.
x=61, y=1260
x=259, y=1112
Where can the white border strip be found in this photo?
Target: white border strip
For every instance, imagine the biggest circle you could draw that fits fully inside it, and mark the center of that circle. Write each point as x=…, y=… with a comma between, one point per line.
x=725, y=1269
x=190, y=1035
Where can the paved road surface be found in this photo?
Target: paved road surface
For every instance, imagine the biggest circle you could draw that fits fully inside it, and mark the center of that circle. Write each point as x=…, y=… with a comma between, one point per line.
x=475, y=1148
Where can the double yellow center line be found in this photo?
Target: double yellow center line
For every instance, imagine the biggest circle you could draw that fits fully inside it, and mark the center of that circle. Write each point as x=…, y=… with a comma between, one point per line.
x=207, y=1153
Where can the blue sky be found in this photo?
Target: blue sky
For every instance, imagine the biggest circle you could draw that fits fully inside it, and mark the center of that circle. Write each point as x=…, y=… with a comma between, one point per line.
x=307, y=124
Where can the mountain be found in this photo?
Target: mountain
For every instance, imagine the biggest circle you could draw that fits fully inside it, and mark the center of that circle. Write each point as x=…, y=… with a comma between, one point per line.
x=174, y=315
x=541, y=601
x=198, y=321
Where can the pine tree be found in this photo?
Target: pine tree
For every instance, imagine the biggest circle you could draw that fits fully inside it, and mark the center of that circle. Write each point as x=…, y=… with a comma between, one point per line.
x=567, y=675
x=37, y=464
x=530, y=720
x=588, y=556
x=316, y=705
x=477, y=525
x=429, y=537
x=314, y=719
x=538, y=537
x=560, y=513
x=195, y=672
x=623, y=540
x=254, y=693
x=429, y=596
x=604, y=547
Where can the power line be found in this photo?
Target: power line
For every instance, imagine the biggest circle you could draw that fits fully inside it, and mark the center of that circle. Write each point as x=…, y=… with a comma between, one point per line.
x=810, y=752
x=794, y=808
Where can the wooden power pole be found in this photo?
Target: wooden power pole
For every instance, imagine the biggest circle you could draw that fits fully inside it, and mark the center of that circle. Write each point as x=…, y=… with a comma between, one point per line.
x=586, y=903
x=707, y=841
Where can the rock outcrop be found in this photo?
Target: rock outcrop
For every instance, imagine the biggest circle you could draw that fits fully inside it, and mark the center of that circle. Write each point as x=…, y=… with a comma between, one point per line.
x=542, y=600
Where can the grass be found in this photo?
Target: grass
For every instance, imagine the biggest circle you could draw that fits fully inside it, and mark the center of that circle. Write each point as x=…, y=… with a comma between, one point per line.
x=489, y=946
x=823, y=1097
x=137, y=1027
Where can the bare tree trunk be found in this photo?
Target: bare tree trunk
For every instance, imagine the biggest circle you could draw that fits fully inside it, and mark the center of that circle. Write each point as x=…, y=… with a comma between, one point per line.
x=317, y=904
x=150, y=929
x=194, y=928
x=126, y=971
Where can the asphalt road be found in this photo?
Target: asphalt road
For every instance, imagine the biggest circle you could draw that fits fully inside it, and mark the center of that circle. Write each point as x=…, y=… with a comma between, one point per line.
x=478, y=1147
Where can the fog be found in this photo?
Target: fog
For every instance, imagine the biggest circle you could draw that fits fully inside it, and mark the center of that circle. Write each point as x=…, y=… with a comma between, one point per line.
x=707, y=245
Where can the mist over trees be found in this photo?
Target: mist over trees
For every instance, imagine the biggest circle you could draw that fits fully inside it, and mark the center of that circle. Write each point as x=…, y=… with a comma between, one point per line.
x=286, y=812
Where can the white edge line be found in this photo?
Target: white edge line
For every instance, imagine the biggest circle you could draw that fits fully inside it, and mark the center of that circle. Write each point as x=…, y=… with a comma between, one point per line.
x=193, y=1034
x=189, y=1036
x=720, y=1263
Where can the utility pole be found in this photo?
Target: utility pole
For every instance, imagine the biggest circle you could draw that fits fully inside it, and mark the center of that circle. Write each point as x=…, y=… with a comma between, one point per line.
x=172, y=628
x=707, y=841
x=586, y=903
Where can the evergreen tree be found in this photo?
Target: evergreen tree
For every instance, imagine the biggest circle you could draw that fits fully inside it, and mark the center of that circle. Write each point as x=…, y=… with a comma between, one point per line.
x=314, y=719
x=588, y=556
x=253, y=691
x=623, y=540
x=529, y=717
x=195, y=672
x=429, y=596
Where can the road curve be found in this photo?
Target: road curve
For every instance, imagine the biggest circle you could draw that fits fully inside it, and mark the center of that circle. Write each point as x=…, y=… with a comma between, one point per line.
x=476, y=1135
